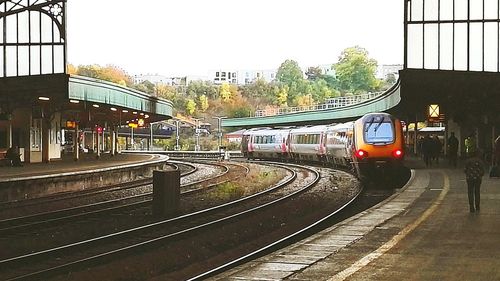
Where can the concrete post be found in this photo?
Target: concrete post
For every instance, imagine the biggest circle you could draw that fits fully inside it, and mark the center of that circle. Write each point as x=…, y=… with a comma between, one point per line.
x=415, y=137
x=9, y=134
x=113, y=141
x=132, y=138
x=45, y=140
x=166, y=192
x=76, y=146
x=98, y=145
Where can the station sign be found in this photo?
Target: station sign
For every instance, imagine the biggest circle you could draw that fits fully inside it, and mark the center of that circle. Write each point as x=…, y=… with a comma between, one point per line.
x=133, y=125
x=70, y=124
x=434, y=115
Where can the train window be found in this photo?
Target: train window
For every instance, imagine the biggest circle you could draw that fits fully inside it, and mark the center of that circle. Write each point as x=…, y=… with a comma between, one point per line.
x=379, y=132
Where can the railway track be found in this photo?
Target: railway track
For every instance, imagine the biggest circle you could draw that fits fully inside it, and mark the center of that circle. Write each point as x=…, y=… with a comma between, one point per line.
x=137, y=201
x=186, y=170
x=94, y=251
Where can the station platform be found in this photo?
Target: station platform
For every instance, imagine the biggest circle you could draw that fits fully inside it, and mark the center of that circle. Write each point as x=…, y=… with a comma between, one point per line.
x=68, y=165
x=34, y=180
x=423, y=232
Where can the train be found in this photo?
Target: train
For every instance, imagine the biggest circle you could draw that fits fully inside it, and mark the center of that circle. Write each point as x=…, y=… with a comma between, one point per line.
x=374, y=142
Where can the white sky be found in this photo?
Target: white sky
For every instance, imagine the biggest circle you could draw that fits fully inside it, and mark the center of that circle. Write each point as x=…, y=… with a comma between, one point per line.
x=192, y=37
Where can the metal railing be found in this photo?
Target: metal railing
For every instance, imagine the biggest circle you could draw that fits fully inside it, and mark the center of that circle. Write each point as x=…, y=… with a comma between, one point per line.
x=328, y=104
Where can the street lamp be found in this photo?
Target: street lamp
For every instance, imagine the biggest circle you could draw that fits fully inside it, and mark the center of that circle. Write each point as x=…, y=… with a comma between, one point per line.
x=197, y=135
x=219, y=130
x=177, y=147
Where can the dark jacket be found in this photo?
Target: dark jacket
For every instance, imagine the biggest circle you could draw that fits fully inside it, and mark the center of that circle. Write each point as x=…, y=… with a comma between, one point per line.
x=474, y=168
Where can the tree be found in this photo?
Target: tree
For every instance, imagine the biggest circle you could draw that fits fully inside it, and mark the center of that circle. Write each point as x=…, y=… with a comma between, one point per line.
x=109, y=73
x=225, y=92
x=390, y=78
x=281, y=97
x=323, y=91
x=71, y=69
x=306, y=100
x=190, y=106
x=314, y=73
x=203, y=103
x=289, y=72
x=198, y=88
x=356, y=71
x=165, y=91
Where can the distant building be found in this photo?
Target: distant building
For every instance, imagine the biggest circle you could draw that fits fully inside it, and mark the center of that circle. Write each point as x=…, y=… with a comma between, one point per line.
x=164, y=80
x=153, y=78
x=245, y=77
x=327, y=69
x=386, y=69
x=241, y=77
x=250, y=76
x=224, y=76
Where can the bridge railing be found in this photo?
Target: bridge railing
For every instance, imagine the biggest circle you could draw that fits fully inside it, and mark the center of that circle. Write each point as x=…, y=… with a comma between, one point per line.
x=329, y=104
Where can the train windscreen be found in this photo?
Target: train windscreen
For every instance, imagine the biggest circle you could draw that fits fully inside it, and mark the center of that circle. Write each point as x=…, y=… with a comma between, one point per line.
x=379, y=132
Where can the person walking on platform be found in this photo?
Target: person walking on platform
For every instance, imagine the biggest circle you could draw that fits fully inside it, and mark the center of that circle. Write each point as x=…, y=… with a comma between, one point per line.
x=474, y=171
x=452, y=150
x=427, y=148
x=437, y=146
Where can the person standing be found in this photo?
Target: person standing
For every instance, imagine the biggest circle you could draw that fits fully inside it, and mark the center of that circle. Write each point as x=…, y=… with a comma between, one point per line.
x=474, y=171
x=470, y=145
x=452, y=150
x=427, y=149
x=14, y=156
x=437, y=146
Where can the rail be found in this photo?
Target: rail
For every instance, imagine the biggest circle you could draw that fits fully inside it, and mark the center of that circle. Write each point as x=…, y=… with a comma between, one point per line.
x=192, y=154
x=329, y=104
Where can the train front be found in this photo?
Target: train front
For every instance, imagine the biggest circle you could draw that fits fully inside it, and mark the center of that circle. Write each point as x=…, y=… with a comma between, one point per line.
x=379, y=143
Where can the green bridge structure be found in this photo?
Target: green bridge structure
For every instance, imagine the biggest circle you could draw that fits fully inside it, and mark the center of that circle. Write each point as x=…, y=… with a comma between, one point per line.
x=383, y=102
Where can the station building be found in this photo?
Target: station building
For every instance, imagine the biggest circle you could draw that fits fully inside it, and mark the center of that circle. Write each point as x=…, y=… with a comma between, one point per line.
x=39, y=100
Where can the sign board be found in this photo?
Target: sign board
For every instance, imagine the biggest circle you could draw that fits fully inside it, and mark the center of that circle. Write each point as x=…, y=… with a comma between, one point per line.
x=433, y=111
x=133, y=125
x=434, y=115
x=70, y=124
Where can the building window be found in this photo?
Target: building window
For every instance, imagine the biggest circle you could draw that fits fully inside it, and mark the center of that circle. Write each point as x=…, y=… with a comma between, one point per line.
x=217, y=74
x=223, y=74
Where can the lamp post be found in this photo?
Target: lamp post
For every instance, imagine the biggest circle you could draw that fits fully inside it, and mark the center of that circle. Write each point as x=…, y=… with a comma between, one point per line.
x=177, y=147
x=197, y=135
x=219, y=129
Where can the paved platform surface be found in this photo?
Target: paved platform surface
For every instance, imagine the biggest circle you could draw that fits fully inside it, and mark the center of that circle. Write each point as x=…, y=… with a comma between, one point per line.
x=424, y=232
x=67, y=164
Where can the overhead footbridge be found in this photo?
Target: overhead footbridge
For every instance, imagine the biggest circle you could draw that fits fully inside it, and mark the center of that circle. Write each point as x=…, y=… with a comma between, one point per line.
x=383, y=102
